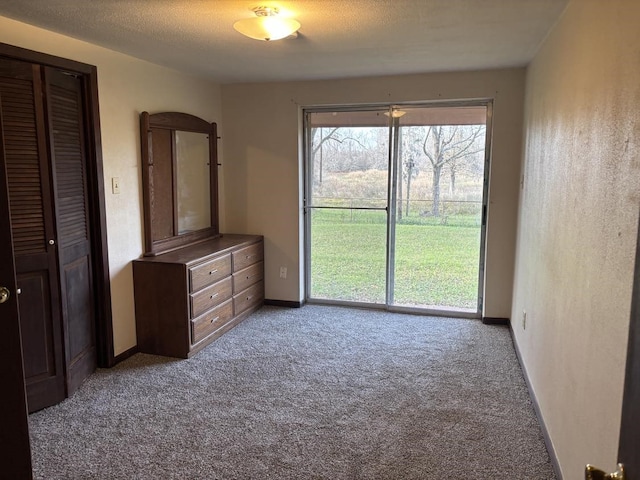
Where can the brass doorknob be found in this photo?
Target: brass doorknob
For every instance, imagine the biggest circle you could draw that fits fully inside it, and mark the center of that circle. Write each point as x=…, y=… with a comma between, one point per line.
x=4, y=294
x=593, y=473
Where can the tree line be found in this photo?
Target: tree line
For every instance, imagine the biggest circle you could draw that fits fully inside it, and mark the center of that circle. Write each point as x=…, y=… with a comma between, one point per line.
x=452, y=149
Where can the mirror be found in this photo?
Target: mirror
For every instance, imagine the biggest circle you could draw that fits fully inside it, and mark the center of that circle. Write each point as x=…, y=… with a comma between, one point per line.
x=192, y=175
x=179, y=175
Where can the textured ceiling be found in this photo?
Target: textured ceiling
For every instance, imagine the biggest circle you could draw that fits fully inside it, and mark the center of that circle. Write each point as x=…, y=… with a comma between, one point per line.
x=338, y=38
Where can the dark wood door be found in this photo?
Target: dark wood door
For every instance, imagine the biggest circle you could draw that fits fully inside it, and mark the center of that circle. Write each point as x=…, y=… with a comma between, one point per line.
x=27, y=175
x=14, y=434
x=629, y=449
x=69, y=166
x=46, y=172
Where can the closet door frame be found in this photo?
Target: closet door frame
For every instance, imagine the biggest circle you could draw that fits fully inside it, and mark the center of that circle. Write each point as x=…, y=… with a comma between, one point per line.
x=95, y=190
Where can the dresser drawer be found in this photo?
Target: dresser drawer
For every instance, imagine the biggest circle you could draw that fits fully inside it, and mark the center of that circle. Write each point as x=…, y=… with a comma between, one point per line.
x=209, y=272
x=211, y=321
x=248, y=298
x=210, y=297
x=248, y=276
x=247, y=256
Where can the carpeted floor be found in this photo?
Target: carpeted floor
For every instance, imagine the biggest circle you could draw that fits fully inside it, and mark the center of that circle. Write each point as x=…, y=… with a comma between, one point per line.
x=313, y=393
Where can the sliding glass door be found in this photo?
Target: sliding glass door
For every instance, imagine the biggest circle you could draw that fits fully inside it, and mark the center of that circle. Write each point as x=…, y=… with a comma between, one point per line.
x=438, y=203
x=347, y=185
x=394, y=206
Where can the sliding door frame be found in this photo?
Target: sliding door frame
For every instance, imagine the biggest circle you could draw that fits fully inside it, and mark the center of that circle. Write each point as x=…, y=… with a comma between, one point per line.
x=394, y=133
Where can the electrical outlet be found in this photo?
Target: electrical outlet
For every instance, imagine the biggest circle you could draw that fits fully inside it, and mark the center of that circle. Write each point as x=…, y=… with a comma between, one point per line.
x=524, y=319
x=283, y=272
x=115, y=185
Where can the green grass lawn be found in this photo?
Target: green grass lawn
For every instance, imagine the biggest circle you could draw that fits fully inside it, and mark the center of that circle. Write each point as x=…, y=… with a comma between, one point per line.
x=436, y=264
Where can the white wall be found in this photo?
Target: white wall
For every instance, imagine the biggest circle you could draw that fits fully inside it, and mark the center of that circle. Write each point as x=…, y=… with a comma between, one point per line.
x=127, y=86
x=261, y=150
x=577, y=226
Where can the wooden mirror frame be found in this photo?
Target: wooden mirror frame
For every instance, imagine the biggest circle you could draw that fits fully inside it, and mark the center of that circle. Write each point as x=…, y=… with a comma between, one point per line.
x=154, y=184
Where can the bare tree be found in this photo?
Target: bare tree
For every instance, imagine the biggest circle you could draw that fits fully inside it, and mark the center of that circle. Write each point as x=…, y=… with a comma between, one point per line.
x=447, y=144
x=317, y=147
x=410, y=171
x=337, y=135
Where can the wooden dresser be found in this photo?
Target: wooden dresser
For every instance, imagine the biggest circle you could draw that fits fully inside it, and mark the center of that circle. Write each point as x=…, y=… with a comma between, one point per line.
x=187, y=298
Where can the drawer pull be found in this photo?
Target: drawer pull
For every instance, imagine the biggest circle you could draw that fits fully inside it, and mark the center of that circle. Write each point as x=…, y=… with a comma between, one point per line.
x=211, y=297
x=249, y=256
x=248, y=277
x=213, y=271
x=214, y=319
x=249, y=297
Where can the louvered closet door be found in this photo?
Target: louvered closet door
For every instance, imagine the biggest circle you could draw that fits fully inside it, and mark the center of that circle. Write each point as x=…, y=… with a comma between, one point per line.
x=68, y=159
x=27, y=172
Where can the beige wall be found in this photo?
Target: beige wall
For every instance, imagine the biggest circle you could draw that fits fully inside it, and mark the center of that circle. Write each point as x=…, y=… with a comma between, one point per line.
x=577, y=226
x=579, y=201
x=127, y=86
x=262, y=150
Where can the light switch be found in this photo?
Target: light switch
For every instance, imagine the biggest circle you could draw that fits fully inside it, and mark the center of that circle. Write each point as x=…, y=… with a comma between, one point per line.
x=115, y=185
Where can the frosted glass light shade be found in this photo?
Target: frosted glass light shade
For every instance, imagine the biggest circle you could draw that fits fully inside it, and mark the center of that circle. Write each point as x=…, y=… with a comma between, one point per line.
x=267, y=27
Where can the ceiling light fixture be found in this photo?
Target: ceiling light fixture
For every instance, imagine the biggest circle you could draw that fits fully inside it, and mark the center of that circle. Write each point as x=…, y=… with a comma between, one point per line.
x=267, y=25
